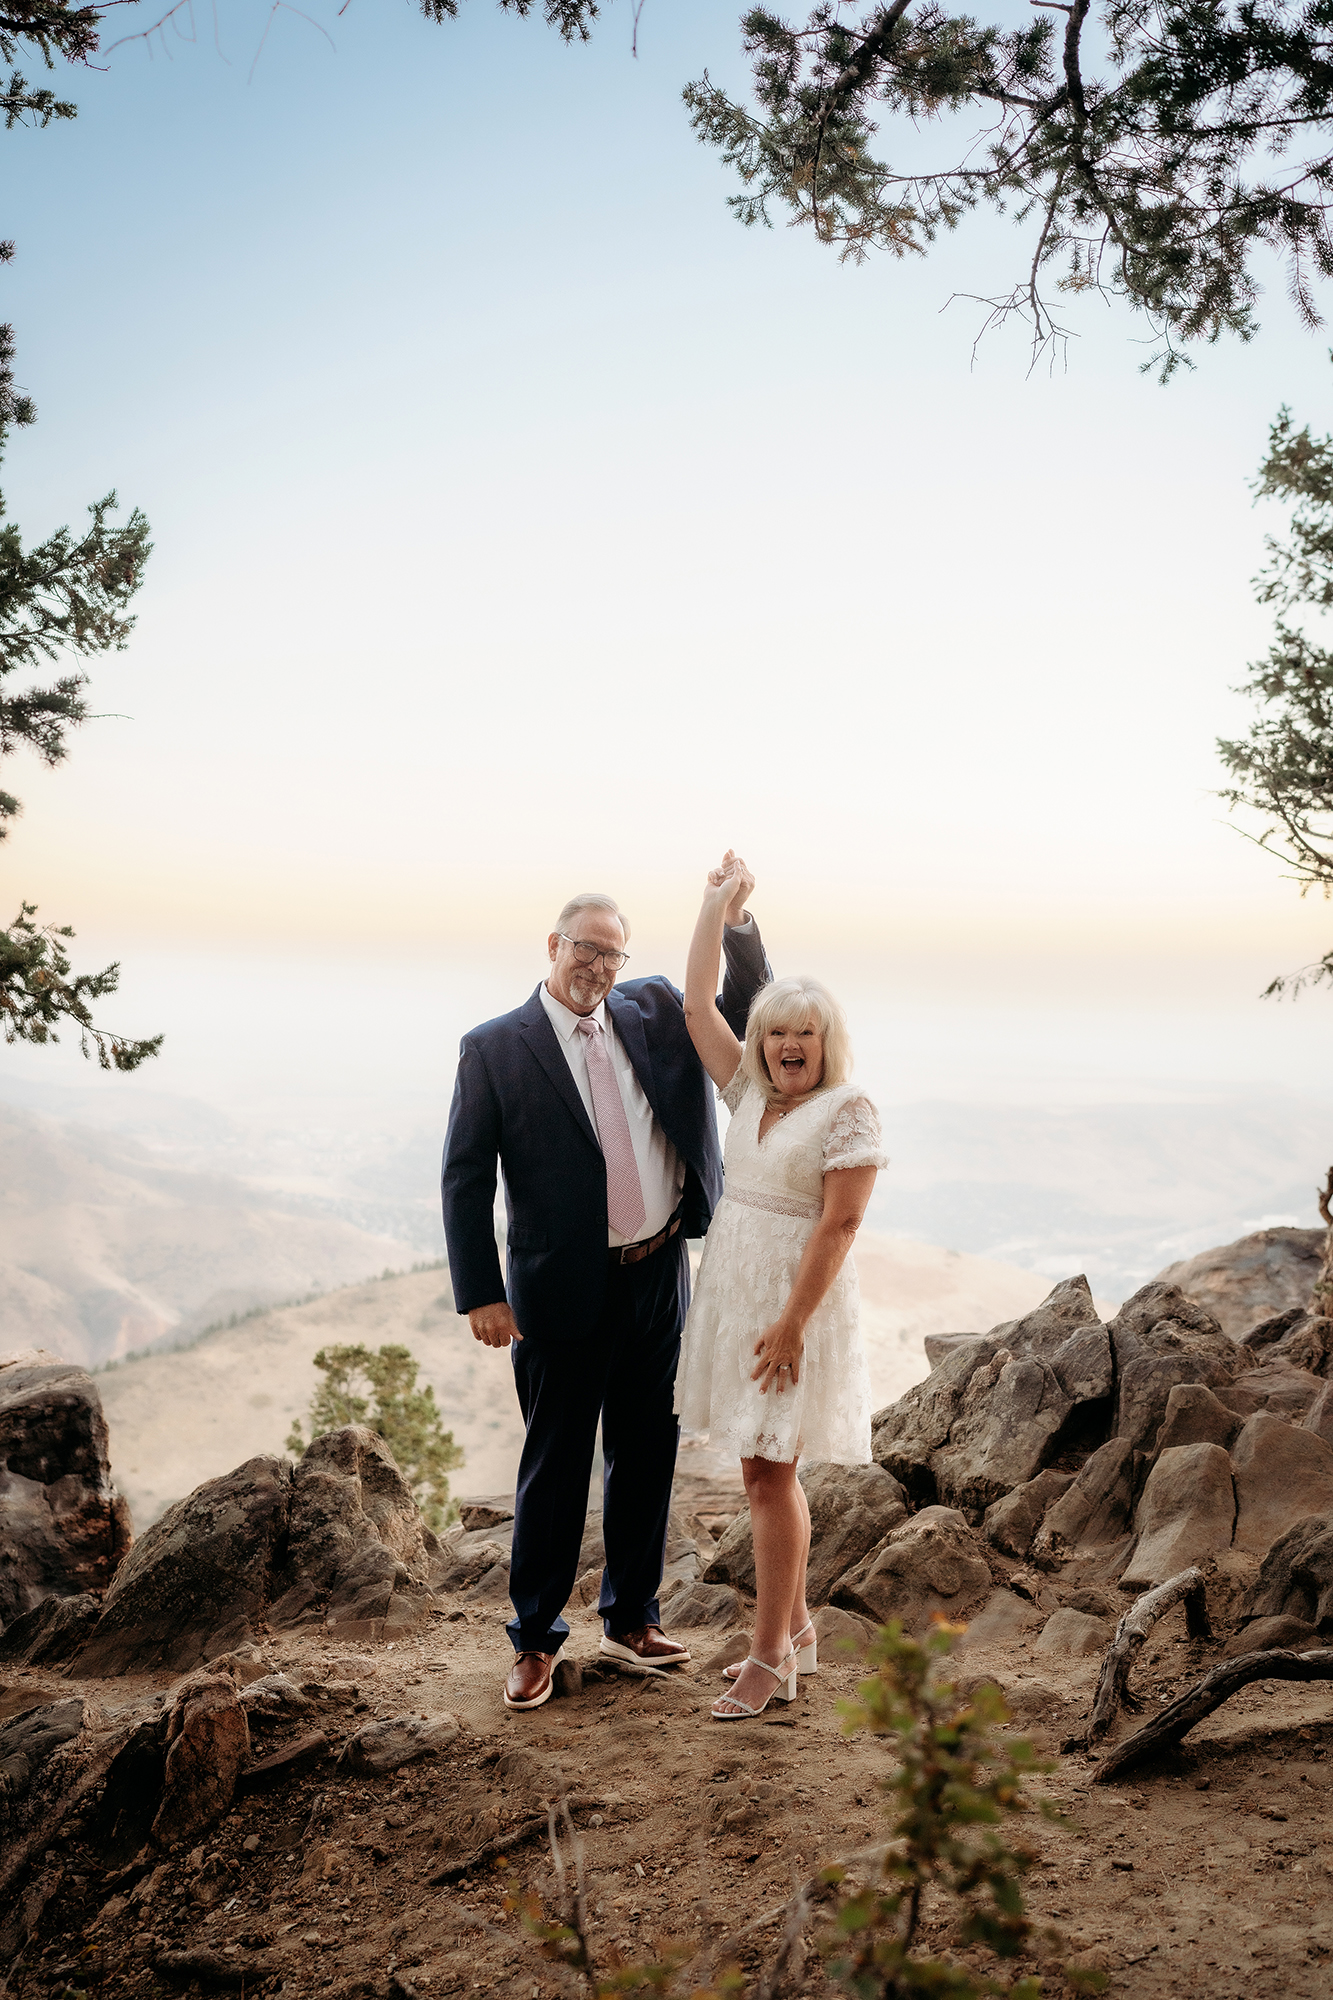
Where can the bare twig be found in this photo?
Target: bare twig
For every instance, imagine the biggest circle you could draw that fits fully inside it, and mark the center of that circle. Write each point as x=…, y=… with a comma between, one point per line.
x=1165, y=1730
x=1130, y=1634
x=491, y=1850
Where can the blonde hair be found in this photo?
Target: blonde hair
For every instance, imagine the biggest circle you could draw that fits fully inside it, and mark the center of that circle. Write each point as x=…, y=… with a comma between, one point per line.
x=790, y=1003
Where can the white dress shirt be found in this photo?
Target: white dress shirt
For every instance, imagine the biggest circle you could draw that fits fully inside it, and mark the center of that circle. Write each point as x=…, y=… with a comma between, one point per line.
x=661, y=1169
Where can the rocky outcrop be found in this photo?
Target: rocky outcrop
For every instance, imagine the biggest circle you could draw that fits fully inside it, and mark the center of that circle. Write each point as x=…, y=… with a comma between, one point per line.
x=1186, y=1514
x=1251, y=1280
x=1283, y=1475
x=852, y=1508
x=336, y=1540
x=1194, y=1415
x=1097, y=1507
x=63, y=1528
x=1295, y=1579
x=933, y=1563
x=1011, y=1523
x=29, y=1739
x=1162, y=1339
x=208, y=1744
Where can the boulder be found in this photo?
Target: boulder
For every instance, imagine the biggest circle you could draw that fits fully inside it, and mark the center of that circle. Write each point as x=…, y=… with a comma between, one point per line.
x=1276, y=1385
x=1011, y=1523
x=837, y=1631
x=1262, y=1635
x=27, y=1740
x=1070, y=1631
x=51, y=1632
x=1318, y=1418
x=1248, y=1281
x=937, y=1345
x=1194, y=1415
x=1097, y=1507
x=208, y=1743
x=205, y=1564
x=1187, y=1513
x=1310, y=1345
x=337, y=1540
x=996, y=1410
x=492, y=1513
x=1004, y=1617
x=1283, y=1474
x=932, y=1563
x=381, y=1747
x=852, y=1508
x=695, y=1605
x=63, y=1528
x=1295, y=1579
x=1161, y=1339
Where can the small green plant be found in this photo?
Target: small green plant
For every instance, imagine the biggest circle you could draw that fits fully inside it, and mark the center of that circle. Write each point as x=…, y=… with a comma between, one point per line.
x=954, y=1787
x=379, y=1390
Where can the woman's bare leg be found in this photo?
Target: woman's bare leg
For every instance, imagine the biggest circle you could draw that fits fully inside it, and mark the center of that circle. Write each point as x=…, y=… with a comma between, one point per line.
x=780, y=1523
x=800, y=1612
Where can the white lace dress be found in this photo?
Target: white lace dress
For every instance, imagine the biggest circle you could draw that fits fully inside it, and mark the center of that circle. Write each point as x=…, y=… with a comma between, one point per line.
x=773, y=1196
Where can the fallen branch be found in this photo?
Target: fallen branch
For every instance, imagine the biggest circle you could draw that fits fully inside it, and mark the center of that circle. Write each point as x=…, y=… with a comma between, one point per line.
x=1130, y=1634
x=1165, y=1730
x=491, y=1850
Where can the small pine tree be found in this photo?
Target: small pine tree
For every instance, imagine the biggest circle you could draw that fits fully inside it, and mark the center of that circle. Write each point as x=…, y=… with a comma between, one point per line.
x=380, y=1391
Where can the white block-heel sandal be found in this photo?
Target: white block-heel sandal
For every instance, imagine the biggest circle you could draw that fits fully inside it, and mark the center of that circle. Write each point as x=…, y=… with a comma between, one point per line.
x=730, y=1708
x=807, y=1655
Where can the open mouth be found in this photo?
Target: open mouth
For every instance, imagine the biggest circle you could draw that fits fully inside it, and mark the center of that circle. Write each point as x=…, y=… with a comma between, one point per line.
x=793, y=1063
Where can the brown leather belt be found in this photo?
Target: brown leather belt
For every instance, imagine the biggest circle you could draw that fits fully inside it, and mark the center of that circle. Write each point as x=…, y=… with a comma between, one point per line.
x=634, y=1253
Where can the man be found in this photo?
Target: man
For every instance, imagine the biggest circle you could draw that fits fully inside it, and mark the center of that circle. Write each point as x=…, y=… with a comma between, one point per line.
x=598, y=1110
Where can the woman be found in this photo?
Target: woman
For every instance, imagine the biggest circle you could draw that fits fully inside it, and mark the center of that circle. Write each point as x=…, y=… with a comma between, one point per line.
x=771, y=1357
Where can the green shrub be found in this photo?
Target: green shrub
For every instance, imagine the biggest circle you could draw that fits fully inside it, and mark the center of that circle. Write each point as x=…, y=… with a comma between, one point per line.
x=379, y=1390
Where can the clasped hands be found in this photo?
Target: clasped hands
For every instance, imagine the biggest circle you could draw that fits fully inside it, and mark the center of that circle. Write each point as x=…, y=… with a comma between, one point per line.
x=733, y=876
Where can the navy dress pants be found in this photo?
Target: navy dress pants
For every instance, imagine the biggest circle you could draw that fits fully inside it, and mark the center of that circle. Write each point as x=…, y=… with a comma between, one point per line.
x=624, y=1373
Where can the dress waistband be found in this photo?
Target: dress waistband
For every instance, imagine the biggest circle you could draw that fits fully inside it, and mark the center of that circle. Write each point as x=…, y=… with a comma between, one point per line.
x=775, y=1204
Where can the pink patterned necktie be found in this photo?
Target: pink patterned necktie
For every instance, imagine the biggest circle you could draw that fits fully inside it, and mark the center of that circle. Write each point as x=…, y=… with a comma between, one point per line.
x=624, y=1190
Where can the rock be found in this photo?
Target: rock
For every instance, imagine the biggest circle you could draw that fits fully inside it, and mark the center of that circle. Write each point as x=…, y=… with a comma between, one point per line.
x=937, y=1345
x=706, y=1605
x=203, y=1566
x=1262, y=1635
x=1310, y=1346
x=51, y=1632
x=275, y=1695
x=1070, y=1631
x=732, y=1649
x=568, y=1679
x=1003, y=1617
x=1295, y=1579
x=1097, y=1507
x=997, y=1408
x=208, y=1742
x=357, y=1532
x=834, y=1627
x=1248, y=1281
x=1162, y=1338
x=469, y=1558
x=1187, y=1513
x=382, y=1747
x=27, y=1740
x=852, y=1507
x=1194, y=1415
x=1275, y=1329
x=1095, y=1602
x=1318, y=1418
x=298, y=1755
x=215, y=1971
x=1276, y=1385
x=64, y=1530
x=359, y=1602
x=486, y=1513
x=1011, y=1523
x=493, y=1587
x=1283, y=1474
x=931, y=1563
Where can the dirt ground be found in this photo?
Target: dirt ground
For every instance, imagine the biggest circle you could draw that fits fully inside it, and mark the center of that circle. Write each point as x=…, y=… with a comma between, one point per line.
x=1208, y=1875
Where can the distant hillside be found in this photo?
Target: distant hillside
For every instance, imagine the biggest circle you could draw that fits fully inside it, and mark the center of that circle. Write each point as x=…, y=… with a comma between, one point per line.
x=105, y=1248
x=178, y=1418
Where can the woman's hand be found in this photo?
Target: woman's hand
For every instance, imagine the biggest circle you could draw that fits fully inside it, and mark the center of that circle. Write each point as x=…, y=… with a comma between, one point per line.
x=779, y=1349
x=733, y=876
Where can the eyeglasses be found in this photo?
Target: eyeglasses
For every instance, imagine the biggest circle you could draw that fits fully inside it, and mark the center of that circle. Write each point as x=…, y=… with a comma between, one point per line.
x=588, y=954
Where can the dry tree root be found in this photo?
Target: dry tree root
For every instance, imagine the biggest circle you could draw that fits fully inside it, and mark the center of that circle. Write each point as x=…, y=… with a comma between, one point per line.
x=493, y=1849
x=1165, y=1730
x=1130, y=1634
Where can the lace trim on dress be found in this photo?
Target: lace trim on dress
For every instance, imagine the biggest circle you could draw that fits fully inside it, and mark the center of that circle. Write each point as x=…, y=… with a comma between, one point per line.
x=775, y=1204
x=854, y=1136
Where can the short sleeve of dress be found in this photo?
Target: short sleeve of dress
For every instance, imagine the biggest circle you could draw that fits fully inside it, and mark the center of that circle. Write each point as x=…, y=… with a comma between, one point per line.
x=732, y=1093
x=854, y=1137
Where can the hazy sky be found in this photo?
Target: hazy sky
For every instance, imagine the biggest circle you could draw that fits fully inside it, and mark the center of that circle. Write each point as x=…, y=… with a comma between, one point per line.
x=523, y=524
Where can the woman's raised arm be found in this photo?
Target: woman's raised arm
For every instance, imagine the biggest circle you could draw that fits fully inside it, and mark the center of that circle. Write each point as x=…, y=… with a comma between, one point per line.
x=715, y=1044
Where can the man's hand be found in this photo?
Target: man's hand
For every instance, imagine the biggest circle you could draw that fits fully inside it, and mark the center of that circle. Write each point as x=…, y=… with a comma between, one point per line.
x=494, y=1326
x=734, y=872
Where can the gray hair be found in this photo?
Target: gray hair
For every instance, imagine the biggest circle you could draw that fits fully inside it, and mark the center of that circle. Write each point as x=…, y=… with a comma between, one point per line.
x=592, y=899
x=789, y=1004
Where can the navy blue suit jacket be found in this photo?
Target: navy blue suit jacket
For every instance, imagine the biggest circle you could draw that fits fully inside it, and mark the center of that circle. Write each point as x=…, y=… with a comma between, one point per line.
x=515, y=1101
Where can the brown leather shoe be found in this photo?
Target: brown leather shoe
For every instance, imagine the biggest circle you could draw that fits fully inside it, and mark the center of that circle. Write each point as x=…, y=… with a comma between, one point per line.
x=649, y=1646
x=531, y=1679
